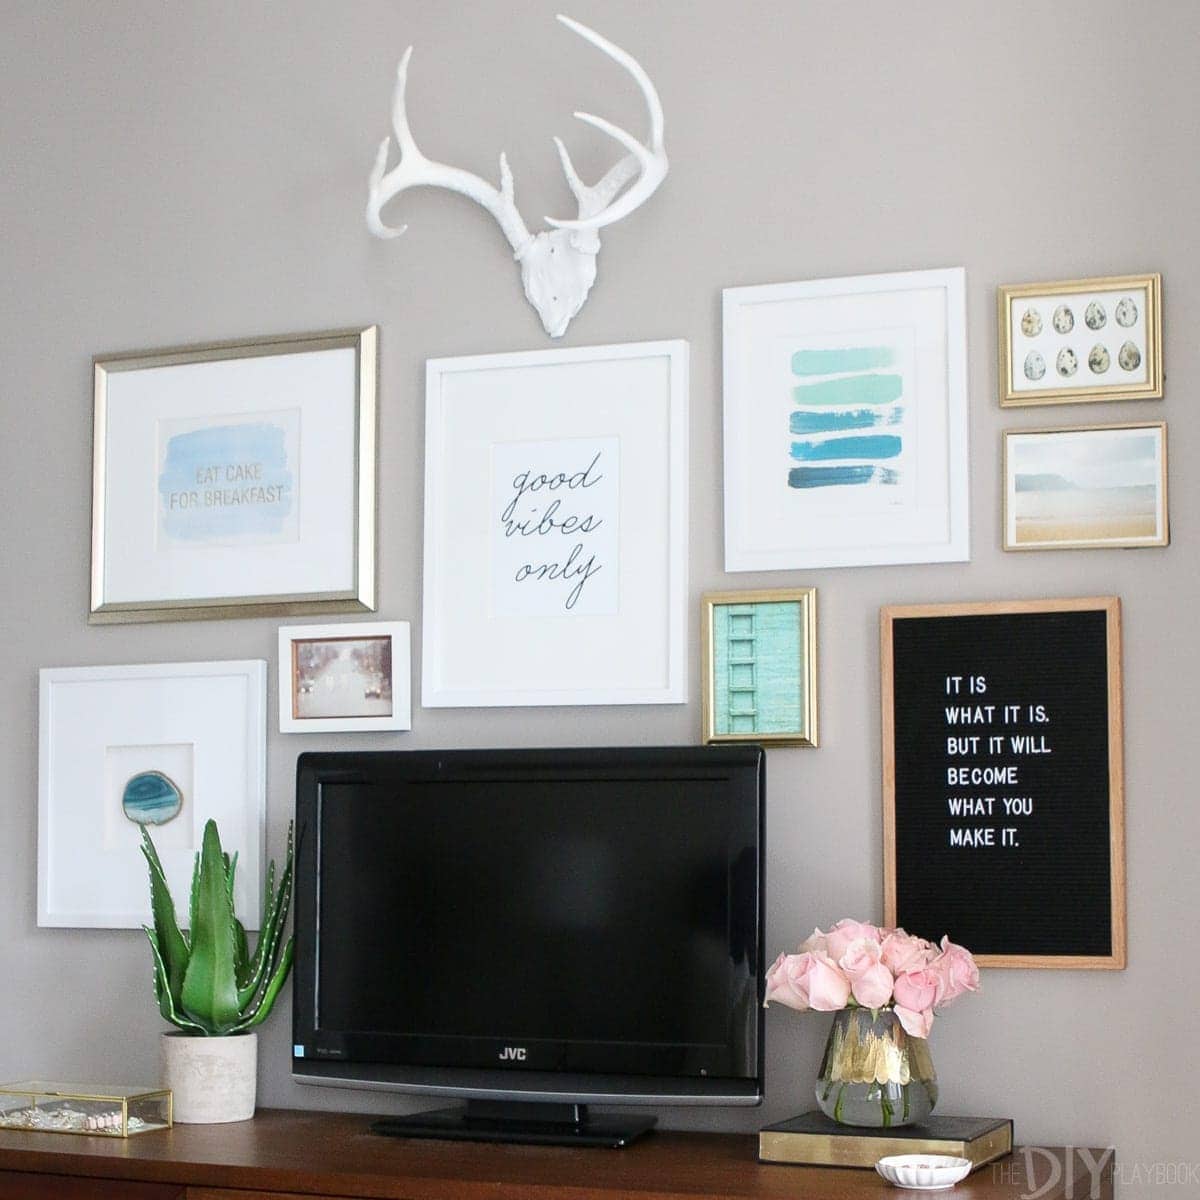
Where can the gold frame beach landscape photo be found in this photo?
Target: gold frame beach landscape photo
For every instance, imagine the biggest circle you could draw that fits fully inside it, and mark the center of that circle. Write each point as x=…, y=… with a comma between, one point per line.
x=1086, y=487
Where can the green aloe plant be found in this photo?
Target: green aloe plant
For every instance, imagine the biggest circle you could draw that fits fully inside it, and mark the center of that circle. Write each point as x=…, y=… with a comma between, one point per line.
x=206, y=981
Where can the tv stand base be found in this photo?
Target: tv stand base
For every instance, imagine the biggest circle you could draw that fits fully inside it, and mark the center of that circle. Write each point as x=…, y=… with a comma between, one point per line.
x=520, y=1122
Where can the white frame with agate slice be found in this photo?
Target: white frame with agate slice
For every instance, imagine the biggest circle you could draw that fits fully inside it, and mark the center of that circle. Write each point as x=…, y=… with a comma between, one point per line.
x=201, y=728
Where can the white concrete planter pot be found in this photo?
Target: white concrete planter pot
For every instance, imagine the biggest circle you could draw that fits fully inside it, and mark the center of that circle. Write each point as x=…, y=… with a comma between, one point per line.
x=213, y=1079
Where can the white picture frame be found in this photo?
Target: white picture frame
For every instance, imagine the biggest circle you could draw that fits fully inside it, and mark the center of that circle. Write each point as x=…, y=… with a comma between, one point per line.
x=203, y=726
x=590, y=608
x=350, y=677
x=235, y=479
x=846, y=422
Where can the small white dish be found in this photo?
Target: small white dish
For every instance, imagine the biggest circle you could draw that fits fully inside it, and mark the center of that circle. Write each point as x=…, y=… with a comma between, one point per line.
x=923, y=1172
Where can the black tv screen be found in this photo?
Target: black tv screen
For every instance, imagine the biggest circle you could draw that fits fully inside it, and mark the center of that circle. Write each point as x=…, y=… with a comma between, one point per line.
x=574, y=925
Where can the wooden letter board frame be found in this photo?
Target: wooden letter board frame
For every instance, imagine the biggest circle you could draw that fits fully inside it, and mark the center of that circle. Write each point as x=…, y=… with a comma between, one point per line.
x=1028, y=652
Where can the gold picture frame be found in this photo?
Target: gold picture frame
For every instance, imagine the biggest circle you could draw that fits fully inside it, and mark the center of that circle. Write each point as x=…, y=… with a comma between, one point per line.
x=759, y=670
x=1087, y=487
x=1081, y=340
x=235, y=479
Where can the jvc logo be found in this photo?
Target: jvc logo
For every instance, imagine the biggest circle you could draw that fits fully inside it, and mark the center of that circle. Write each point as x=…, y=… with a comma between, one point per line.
x=512, y=1054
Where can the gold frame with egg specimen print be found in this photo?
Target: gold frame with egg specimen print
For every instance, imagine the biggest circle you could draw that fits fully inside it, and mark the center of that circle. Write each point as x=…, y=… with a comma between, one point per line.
x=1081, y=340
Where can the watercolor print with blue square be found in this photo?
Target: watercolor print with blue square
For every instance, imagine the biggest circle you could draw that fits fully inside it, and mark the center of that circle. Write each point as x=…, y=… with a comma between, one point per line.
x=229, y=481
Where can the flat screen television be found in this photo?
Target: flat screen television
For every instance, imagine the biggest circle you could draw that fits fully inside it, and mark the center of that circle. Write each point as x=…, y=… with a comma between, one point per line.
x=533, y=932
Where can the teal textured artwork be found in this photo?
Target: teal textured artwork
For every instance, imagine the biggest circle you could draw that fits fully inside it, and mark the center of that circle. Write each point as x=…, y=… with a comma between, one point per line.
x=758, y=668
x=151, y=798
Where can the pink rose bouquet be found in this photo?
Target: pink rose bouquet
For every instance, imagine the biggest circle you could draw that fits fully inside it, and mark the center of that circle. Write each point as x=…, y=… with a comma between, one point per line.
x=857, y=964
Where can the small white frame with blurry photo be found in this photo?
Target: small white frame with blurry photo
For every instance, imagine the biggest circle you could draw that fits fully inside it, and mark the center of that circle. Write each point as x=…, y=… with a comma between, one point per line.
x=345, y=678
x=1087, y=487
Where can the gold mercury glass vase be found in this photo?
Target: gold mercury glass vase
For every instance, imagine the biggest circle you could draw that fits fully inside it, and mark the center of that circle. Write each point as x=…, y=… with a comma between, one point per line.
x=873, y=1073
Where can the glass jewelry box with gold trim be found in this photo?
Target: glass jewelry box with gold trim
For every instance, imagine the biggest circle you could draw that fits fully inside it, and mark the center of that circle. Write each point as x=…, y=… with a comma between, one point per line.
x=91, y=1109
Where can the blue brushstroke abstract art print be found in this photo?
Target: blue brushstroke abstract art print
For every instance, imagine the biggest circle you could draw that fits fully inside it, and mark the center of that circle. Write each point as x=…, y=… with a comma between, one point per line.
x=847, y=421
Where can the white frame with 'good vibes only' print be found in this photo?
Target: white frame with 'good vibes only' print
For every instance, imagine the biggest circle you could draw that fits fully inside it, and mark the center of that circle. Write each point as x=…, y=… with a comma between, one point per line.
x=556, y=527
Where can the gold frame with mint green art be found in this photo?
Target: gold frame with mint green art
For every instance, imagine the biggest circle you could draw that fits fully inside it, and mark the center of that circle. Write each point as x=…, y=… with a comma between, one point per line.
x=149, y=564
x=1098, y=370
x=751, y=681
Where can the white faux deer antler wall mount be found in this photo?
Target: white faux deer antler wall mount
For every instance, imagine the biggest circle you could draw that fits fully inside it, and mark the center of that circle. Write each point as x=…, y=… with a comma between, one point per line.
x=558, y=265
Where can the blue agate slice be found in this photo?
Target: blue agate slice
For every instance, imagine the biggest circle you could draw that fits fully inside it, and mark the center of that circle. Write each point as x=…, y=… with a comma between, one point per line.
x=150, y=798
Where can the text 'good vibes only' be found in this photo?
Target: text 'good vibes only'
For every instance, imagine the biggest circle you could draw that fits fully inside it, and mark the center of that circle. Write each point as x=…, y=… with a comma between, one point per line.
x=550, y=514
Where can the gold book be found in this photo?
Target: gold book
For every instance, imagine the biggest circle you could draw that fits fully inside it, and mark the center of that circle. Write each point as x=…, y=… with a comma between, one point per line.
x=812, y=1139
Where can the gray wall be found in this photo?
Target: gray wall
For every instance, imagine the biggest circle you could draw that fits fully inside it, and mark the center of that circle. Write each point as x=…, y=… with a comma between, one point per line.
x=188, y=172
